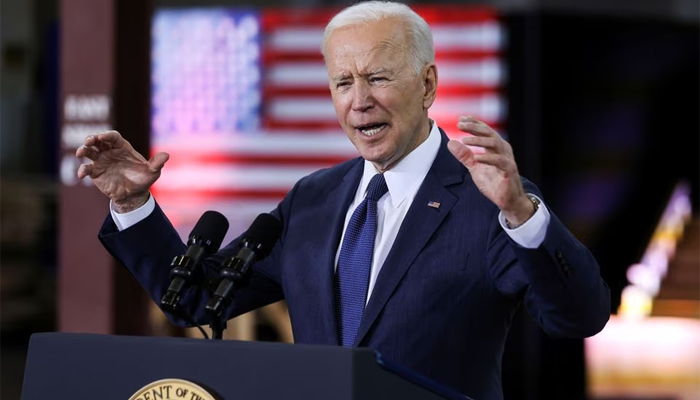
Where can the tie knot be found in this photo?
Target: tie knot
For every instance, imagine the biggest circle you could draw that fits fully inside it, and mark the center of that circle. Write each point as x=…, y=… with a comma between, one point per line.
x=376, y=188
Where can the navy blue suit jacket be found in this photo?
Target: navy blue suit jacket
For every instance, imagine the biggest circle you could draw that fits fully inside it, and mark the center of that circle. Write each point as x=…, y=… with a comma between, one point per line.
x=445, y=296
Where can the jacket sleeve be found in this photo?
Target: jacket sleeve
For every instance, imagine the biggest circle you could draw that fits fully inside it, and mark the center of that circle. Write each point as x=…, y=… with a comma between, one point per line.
x=148, y=248
x=559, y=282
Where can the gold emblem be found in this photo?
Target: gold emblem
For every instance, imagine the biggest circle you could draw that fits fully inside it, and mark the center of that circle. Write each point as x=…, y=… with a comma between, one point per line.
x=172, y=389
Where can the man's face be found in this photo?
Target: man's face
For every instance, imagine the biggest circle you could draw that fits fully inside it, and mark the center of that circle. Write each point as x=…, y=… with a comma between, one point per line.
x=381, y=103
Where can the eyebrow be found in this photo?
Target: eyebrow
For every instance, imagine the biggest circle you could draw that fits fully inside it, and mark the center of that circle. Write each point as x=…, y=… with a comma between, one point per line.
x=340, y=76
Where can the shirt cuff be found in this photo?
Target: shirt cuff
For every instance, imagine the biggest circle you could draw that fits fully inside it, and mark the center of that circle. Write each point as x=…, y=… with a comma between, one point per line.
x=125, y=220
x=531, y=234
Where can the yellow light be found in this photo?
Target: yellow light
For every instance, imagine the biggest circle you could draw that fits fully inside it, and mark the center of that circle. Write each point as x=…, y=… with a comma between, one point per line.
x=635, y=304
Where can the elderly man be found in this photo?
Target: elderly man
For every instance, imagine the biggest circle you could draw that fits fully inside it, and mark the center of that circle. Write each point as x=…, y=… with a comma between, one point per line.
x=421, y=248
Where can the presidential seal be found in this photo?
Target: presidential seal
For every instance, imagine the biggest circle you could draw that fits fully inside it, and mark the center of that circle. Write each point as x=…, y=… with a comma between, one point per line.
x=172, y=389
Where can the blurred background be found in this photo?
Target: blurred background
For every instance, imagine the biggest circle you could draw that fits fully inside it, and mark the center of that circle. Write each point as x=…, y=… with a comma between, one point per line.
x=600, y=100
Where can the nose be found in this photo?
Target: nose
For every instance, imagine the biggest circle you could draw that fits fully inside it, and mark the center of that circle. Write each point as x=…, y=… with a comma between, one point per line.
x=362, y=99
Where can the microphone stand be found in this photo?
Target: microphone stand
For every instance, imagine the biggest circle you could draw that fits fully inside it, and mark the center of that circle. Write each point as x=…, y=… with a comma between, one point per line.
x=235, y=271
x=217, y=328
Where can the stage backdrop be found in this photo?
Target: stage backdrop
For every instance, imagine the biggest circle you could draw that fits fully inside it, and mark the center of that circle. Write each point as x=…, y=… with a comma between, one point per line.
x=240, y=100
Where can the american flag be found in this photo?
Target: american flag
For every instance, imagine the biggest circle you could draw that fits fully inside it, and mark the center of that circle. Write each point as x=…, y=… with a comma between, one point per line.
x=240, y=100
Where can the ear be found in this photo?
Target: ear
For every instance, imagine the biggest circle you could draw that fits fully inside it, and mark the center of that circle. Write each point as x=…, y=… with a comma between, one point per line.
x=430, y=79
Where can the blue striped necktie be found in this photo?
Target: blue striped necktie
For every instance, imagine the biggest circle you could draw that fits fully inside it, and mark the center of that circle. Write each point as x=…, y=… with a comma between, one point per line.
x=355, y=261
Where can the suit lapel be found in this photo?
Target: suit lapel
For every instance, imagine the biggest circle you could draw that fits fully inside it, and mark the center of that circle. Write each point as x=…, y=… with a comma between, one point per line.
x=445, y=171
x=334, y=216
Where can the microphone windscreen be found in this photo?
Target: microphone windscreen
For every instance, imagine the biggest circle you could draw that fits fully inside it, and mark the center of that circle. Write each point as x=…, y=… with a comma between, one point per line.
x=211, y=226
x=263, y=234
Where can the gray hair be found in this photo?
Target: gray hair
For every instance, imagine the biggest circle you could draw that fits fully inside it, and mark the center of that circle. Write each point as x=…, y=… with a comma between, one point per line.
x=420, y=37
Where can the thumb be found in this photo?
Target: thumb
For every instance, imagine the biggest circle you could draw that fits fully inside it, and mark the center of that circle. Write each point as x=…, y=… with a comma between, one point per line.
x=157, y=162
x=461, y=152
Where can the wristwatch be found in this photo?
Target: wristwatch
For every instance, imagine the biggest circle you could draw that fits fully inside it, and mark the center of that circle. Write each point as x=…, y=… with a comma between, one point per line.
x=535, y=205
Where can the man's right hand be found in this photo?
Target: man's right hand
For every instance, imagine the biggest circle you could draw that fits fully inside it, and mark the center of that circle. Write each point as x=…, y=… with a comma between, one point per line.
x=118, y=170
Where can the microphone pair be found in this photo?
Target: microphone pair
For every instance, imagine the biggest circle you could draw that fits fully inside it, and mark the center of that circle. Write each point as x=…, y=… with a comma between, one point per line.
x=204, y=240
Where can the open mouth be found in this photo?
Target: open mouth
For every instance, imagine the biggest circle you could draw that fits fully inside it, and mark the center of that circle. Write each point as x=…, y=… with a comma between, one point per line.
x=371, y=129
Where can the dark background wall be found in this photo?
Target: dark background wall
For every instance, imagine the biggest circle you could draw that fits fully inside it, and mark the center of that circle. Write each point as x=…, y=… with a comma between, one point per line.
x=604, y=110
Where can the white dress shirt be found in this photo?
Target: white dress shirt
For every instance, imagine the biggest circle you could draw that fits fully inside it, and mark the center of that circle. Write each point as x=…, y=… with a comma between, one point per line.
x=403, y=181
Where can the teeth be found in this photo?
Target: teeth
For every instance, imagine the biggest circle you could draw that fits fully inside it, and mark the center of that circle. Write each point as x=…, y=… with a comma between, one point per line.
x=372, y=132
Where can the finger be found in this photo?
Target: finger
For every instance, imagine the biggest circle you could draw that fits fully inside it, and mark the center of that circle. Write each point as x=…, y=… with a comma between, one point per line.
x=461, y=152
x=109, y=140
x=112, y=137
x=157, y=162
x=89, y=141
x=489, y=143
x=469, y=118
x=496, y=160
x=89, y=152
x=84, y=170
x=95, y=142
x=476, y=127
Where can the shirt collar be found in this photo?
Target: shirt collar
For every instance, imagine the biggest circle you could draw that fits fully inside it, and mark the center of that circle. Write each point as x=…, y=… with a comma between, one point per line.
x=408, y=173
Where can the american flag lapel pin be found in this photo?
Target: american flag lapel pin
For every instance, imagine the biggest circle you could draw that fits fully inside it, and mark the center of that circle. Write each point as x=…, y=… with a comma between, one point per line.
x=434, y=204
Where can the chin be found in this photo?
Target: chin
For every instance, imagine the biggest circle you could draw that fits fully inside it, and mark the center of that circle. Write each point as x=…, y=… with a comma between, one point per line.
x=382, y=162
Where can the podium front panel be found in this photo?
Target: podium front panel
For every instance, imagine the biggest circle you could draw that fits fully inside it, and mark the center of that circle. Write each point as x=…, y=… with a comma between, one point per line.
x=89, y=366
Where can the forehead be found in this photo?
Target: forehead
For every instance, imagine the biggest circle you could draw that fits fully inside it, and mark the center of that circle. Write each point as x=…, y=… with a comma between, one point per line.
x=365, y=46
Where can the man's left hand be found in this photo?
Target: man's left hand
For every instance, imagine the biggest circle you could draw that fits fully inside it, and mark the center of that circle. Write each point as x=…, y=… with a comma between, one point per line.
x=493, y=170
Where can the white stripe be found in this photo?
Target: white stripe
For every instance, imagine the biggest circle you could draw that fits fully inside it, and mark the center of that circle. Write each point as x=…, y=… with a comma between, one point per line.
x=240, y=213
x=310, y=74
x=490, y=107
x=296, y=39
x=486, y=72
x=241, y=206
x=472, y=36
x=281, y=143
x=288, y=109
x=482, y=36
x=221, y=177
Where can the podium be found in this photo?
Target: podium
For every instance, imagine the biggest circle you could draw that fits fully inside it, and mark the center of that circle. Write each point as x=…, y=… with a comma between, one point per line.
x=92, y=366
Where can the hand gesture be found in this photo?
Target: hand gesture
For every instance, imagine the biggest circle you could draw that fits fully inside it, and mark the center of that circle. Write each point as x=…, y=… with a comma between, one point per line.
x=118, y=170
x=494, y=170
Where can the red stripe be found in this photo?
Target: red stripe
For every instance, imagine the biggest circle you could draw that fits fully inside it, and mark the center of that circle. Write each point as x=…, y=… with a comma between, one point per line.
x=453, y=13
x=322, y=15
x=270, y=56
x=465, y=55
x=297, y=91
x=193, y=195
x=312, y=127
x=302, y=93
x=243, y=160
x=309, y=126
x=305, y=91
x=297, y=16
x=465, y=91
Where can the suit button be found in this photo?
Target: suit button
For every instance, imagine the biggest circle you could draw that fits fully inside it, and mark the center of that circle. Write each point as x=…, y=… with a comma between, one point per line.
x=566, y=268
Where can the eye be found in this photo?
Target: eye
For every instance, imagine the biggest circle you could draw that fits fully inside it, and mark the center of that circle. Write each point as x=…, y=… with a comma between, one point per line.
x=342, y=84
x=377, y=79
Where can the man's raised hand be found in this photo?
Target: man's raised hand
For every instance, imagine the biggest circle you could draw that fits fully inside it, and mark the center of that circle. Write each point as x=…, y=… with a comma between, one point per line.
x=118, y=170
x=493, y=170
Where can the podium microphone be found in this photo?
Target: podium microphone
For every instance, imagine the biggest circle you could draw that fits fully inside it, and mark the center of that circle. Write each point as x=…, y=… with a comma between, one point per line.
x=256, y=244
x=205, y=239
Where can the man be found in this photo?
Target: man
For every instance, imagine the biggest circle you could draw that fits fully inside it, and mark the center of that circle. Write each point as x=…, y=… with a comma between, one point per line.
x=459, y=239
